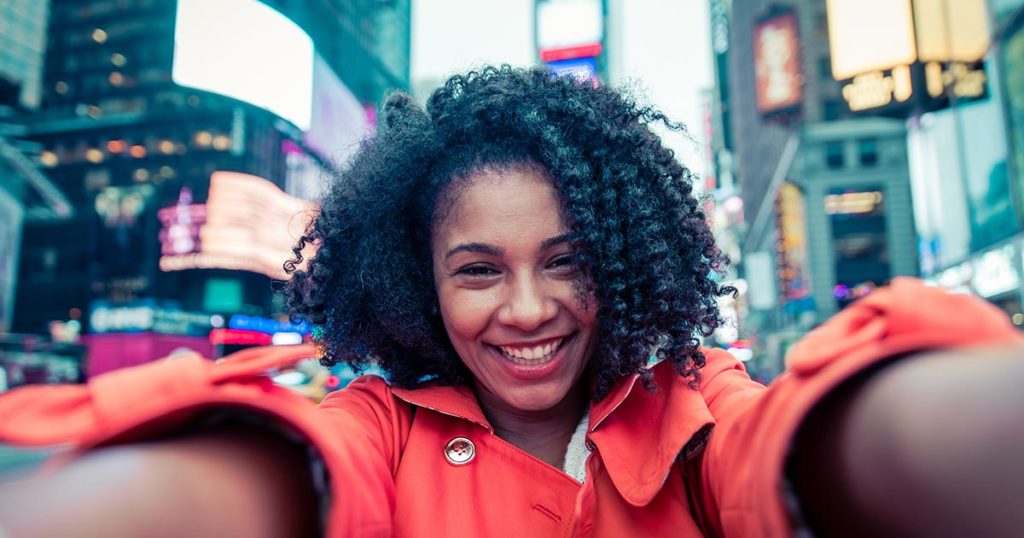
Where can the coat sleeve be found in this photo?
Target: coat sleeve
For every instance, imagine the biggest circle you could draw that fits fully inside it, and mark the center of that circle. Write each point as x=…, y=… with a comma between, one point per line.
x=350, y=435
x=742, y=472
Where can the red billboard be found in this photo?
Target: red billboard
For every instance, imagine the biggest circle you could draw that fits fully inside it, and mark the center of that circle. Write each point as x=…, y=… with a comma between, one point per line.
x=247, y=223
x=777, y=66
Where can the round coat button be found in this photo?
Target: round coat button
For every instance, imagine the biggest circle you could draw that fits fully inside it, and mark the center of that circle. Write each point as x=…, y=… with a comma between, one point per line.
x=459, y=451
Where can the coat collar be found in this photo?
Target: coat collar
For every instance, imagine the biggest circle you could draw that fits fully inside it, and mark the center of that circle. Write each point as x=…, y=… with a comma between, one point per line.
x=454, y=401
x=639, y=434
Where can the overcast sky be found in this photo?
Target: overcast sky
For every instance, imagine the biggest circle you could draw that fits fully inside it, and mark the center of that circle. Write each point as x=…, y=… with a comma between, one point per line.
x=663, y=49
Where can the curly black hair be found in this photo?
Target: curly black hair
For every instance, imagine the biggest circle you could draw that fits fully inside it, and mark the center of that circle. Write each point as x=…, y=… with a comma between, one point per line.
x=641, y=235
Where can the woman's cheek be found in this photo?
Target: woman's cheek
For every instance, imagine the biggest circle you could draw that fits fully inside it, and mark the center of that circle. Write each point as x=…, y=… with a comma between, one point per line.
x=469, y=311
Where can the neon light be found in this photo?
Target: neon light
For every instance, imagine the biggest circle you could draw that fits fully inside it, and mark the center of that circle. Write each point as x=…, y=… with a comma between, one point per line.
x=247, y=224
x=238, y=337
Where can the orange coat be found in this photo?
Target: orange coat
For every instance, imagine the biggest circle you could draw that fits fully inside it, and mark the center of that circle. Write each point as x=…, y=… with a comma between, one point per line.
x=676, y=461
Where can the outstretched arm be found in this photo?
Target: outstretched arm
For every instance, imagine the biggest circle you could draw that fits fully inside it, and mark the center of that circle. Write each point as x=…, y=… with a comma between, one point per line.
x=928, y=445
x=233, y=482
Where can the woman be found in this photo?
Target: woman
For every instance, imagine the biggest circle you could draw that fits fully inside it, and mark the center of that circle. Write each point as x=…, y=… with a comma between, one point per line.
x=529, y=267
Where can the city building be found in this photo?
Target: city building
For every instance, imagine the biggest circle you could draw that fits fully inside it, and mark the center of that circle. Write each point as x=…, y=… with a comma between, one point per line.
x=188, y=137
x=969, y=172
x=27, y=198
x=22, y=43
x=826, y=204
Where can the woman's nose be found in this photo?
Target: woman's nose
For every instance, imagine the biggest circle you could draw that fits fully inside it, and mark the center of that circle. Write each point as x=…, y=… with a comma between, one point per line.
x=528, y=305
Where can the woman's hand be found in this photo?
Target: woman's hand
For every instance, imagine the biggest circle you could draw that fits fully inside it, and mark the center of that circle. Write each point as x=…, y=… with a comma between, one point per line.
x=232, y=482
x=929, y=445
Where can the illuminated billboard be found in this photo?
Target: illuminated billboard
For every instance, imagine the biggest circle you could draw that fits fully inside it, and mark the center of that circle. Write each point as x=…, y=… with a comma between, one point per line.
x=245, y=50
x=569, y=29
x=791, y=247
x=1012, y=65
x=247, y=223
x=870, y=35
x=907, y=55
x=580, y=68
x=339, y=123
x=779, y=82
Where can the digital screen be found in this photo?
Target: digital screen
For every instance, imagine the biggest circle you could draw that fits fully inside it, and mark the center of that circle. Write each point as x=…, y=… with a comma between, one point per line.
x=339, y=123
x=568, y=23
x=869, y=35
x=245, y=50
x=580, y=68
x=951, y=30
x=1012, y=65
x=777, y=63
x=247, y=223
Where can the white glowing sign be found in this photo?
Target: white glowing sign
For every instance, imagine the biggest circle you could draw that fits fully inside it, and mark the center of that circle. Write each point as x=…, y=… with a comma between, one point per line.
x=247, y=224
x=994, y=272
x=246, y=50
x=876, y=46
x=957, y=278
x=568, y=23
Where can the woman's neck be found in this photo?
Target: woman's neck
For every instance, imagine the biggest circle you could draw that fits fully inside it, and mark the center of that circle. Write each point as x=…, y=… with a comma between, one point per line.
x=543, y=434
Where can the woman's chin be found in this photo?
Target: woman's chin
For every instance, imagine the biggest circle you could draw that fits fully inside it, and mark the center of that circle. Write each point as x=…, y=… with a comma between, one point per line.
x=536, y=398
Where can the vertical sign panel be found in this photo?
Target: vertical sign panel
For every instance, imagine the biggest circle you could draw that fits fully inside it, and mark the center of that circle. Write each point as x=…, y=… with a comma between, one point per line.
x=777, y=64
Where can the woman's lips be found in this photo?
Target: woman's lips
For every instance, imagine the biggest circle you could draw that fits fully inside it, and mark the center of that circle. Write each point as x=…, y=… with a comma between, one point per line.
x=538, y=366
x=532, y=354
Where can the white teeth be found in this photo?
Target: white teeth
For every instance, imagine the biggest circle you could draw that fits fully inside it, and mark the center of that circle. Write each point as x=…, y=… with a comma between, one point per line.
x=532, y=354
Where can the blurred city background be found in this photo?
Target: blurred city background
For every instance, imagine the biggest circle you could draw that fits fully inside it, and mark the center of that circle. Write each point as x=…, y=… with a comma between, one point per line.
x=158, y=158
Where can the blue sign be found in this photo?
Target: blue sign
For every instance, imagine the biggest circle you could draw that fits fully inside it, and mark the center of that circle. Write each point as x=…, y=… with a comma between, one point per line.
x=581, y=68
x=267, y=325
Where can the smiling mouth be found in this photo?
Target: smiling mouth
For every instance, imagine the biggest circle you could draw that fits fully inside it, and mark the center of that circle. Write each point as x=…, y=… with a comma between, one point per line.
x=532, y=355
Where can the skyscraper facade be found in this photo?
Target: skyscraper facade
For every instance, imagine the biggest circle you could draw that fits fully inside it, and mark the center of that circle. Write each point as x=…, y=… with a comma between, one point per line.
x=176, y=173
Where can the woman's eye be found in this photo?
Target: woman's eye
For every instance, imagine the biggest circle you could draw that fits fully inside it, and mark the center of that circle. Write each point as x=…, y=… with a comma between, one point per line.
x=563, y=262
x=477, y=271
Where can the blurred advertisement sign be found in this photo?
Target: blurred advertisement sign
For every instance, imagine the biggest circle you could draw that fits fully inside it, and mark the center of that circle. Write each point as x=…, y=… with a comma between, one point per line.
x=902, y=56
x=246, y=50
x=995, y=272
x=777, y=63
x=761, y=281
x=338, y=124
x=267, y=325
x=239, y=337
x=580, y=68
x=792, y=262
x=111, y=351
x=1012, y=66
x=569, y=29
x=956, y=279
x=146, y=315
x=247, y=223
x=304, y=177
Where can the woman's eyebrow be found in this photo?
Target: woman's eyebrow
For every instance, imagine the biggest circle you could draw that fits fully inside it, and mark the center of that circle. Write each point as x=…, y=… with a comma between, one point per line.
x=557, y=240
x=482, y=248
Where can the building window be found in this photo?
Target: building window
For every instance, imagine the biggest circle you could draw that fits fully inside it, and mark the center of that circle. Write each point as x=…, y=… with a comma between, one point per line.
x=867, y=149
x=832, y=110
x=825, y=67
x=834, y=157
x=821, y=26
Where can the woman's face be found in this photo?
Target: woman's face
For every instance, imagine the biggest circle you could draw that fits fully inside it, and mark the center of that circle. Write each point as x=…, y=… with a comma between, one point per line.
x=504, y=271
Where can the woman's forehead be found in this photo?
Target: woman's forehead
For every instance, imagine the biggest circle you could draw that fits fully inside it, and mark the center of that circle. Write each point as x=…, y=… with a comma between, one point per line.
x=503, y=204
